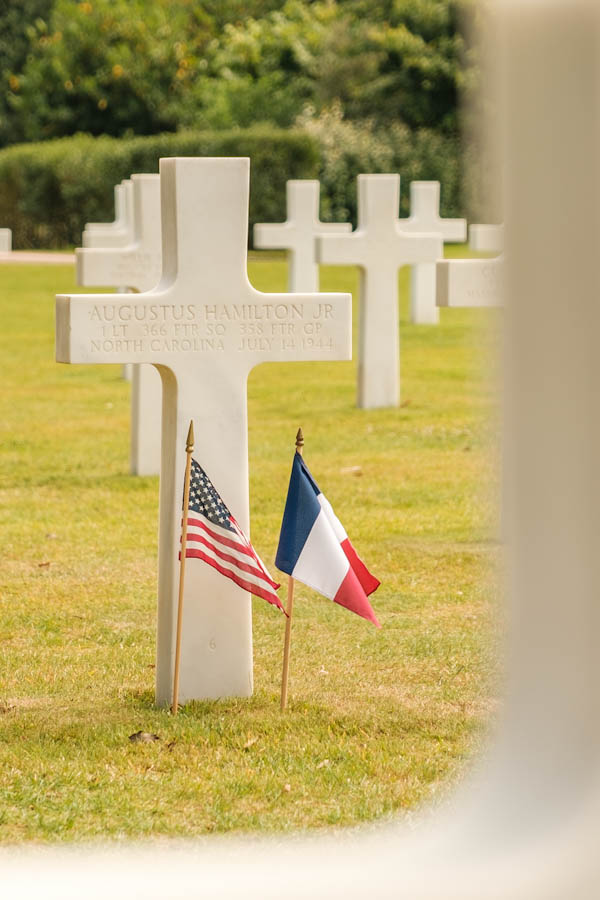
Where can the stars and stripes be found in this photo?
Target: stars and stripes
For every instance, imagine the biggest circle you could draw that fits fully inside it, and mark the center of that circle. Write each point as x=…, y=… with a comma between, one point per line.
x=214, y=536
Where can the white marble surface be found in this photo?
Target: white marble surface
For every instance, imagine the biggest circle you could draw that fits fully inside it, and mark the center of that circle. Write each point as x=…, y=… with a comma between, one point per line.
x=470, y=282
x=297, y=234
x=136, y=266
x=486, y=238
x=205, y=327
x=118, y=233
x=5, y=240
x=425, y=218
x=380, y=247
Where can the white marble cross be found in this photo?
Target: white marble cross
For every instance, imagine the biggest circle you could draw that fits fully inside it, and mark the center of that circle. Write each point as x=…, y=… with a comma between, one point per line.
x=425, y=218
x=5, y=240
x=118, y=233
x=470, y=282
x=205, y=327
x=138, y=266
x=380, y=247
x=297, y=234
x=486, y=238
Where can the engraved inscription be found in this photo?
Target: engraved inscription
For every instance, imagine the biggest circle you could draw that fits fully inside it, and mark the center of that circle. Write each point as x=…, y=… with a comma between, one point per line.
x=477, y=284
x=486, y=291
x=181, y=328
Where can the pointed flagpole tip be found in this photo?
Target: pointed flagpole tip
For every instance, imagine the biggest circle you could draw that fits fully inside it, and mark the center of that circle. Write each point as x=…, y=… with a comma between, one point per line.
x=189, y=443
x=299, y=441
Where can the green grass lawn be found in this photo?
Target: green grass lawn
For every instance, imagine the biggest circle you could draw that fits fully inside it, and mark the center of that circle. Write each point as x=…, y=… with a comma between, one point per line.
x=378, y=721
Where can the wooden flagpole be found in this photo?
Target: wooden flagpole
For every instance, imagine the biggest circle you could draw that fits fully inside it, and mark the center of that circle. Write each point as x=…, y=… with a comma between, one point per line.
x=189, y=449
x=289, y=610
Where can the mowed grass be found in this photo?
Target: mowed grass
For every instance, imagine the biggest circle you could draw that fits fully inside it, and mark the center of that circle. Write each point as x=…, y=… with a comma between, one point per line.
x=378, y=721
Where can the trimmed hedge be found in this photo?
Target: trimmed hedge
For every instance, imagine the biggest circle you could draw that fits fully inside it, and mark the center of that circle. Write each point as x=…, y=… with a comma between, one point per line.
x=49, y=190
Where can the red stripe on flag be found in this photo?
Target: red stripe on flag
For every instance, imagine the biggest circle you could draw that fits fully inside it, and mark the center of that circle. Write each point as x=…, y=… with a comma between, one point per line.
x=267, y=595
x=236, y=543
x=244, y=567
x=351, y=595
x=368, y=582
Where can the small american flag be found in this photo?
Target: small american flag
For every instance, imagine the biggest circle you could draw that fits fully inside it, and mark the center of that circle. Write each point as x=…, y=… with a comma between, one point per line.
x=214, y=536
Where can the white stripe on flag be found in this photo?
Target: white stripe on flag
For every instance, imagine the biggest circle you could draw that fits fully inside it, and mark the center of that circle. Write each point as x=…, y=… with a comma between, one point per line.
x=338, y=528
x=239, y=573
x=196, y=530
x=322, y=563
x=216, y=529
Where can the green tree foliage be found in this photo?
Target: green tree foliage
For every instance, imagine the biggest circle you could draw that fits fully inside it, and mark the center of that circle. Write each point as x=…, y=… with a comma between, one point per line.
x=389, y=62
x=375, y=83
x=108, y=67
x=348, y=148
x=15, y=19
x=143, y=66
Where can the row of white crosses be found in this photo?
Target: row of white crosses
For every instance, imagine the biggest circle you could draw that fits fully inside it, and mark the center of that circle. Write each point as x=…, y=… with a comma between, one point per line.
x=204, y=349
x=425, y=218
x=379, y=247
x=213, y=328
x=381, y=244
x=119, y=233
x=126, y=254
x=132, y=263
x=302, y=227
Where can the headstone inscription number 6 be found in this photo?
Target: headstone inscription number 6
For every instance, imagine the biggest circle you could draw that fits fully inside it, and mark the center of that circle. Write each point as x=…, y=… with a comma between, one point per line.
x=204, y=326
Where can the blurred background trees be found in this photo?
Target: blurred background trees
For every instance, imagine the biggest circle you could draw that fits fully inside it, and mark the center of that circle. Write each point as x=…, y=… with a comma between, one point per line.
x=129, y=67
x=375, y=84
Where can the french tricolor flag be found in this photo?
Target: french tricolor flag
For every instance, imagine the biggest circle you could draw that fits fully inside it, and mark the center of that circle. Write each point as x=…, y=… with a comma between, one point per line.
x=314, y=547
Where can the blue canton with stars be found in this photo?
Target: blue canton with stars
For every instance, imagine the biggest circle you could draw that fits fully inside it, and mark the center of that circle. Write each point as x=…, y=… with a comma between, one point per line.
x=205, y=500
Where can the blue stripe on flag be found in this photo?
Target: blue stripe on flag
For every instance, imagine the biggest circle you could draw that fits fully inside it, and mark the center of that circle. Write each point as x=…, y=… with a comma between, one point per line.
x=301, y=510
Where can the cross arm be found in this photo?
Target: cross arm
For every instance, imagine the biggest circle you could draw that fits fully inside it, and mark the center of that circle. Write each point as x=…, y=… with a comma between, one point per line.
x=469, y=282
x=272, y=236
x=339, y=249
x=486, y=238
x=334, y=227
x=165, y=327
x=294, y=327
x=417, y=247
x=449, y=229
x=131, y=266
x=453, y=229
x=116, y=236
